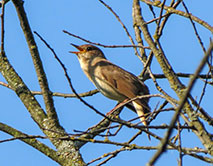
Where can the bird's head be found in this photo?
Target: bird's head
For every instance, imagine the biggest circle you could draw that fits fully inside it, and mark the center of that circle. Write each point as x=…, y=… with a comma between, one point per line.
x=87, y=52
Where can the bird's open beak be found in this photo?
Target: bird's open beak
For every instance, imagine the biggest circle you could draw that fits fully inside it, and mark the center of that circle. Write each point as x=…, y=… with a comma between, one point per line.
x=79, y=48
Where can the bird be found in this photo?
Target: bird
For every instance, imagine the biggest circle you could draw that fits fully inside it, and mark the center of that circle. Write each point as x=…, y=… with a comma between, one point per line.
x=113, y=81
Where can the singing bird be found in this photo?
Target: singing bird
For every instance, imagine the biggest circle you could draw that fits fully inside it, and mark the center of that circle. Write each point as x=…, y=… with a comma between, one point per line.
x=113, y=81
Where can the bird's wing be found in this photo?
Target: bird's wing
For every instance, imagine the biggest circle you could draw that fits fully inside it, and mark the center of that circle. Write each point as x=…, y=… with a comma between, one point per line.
x=125, y=82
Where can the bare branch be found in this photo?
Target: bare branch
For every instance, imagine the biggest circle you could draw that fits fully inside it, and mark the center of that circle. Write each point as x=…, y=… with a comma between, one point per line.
x=102, y=45
x=42, y=79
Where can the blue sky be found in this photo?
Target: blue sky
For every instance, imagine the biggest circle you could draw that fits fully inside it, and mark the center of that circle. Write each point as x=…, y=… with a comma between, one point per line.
x=91, y=20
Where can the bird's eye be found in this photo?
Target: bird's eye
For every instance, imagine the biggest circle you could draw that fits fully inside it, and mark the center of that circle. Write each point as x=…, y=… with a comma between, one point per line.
x=89, y=48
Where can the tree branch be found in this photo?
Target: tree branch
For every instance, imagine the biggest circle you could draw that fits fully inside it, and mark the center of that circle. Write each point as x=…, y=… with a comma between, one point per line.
x=42, y=79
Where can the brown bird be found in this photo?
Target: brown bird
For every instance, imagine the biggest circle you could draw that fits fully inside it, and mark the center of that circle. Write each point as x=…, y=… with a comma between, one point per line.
x=113, y=81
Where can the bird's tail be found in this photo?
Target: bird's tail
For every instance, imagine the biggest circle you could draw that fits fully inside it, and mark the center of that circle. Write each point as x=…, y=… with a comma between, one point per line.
x=143, y=111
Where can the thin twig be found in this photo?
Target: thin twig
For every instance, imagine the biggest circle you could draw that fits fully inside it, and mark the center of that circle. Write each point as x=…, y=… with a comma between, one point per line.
x=119, y=20
x=102, y=45
x=159, y=20
x=172, y=5
x=194, y=27
x=59, y=94
x=203, y=92
x=184, y=75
